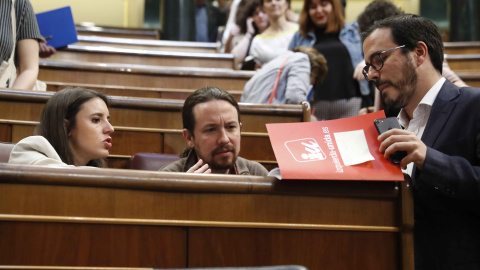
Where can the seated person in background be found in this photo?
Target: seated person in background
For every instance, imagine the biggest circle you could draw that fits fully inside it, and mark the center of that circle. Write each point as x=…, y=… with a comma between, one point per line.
x=275, y=39
x=251, y=20
x=286, y=79
x=211, y=127
x=74, y=130
x=19, y=44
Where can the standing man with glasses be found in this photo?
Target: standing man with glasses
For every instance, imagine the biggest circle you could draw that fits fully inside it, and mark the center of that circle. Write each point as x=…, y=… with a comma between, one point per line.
x=403, y=58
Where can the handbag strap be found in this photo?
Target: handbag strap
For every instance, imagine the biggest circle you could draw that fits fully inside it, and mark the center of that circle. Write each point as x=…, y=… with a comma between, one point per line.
x=275, y=86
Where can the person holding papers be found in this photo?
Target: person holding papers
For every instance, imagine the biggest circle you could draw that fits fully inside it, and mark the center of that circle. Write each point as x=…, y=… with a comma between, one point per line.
x=403, y=57
x=19, y=44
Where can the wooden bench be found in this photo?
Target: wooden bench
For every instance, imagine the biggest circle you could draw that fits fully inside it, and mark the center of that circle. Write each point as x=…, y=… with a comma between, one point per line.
x=467, y=47
x=142, y=75
x=107, y=54
x=121, y=218
x=461, y=63
x=151, y=113
x=144, y=44
x=118, y=32
x=132, y=91
x=470, y=79
x=128, y=141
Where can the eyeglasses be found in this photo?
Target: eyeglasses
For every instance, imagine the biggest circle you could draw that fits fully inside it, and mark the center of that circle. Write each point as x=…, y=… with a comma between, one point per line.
x=376, y=61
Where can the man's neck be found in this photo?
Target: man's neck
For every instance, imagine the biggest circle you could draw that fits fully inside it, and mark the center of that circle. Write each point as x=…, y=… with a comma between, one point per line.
x=425, y=82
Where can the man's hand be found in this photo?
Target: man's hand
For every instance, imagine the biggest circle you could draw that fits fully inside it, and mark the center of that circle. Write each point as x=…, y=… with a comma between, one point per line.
x=401, y=140
x=198, y=168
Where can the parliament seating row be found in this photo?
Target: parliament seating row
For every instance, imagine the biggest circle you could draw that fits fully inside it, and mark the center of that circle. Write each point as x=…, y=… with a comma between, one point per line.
x=465, y=47
x=143, y=44
x=151, y=113
x=109, y=54
x=121, y=32
x=128, y=141
x=87, y=217
x=132, y=91
x=142, y=75
x=464, y=63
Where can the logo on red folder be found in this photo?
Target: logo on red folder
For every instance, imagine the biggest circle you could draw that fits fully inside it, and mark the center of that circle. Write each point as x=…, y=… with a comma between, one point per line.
x=305, y=150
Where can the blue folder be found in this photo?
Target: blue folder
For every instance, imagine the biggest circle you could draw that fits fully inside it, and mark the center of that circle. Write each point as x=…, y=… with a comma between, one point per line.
x=58, y=27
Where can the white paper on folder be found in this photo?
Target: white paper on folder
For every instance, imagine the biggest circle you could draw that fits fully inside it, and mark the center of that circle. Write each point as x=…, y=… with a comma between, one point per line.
x=353, y=147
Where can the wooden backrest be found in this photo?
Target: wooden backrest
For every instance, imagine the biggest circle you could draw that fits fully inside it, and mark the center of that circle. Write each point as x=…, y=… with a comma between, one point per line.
x=466, y=47
x=108, y=54
x=464, y=62
x=5, y=149
x=135, y=33
x=132, y=91
x=162, y=45
x=142, y=75
x=150, y=113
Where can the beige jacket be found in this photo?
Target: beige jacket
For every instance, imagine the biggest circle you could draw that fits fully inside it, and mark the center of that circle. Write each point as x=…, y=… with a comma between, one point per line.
x=36, y=150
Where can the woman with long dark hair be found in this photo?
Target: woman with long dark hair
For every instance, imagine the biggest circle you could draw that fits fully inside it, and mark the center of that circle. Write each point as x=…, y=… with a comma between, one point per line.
x=74, y=130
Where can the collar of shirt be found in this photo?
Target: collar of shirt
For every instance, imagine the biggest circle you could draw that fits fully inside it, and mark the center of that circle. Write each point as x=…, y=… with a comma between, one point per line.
x=420, y=116
x=424, y=105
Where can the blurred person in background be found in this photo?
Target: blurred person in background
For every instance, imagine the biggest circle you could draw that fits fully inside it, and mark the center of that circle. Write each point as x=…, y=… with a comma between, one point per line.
x=322, y=26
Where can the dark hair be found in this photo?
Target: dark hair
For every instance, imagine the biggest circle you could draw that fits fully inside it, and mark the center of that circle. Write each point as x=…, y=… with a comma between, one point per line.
x=377, y=10
x=317, y=60
x=64, y=105
x=335, y=21
x=203, y=95
x=244, y=12
x=288, y=2
x=408, y=30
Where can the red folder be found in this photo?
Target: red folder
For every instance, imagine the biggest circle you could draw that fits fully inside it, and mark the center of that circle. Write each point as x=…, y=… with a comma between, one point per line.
x=308, y=150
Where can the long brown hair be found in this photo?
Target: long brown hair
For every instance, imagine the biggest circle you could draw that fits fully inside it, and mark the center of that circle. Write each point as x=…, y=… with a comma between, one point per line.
x=64, y=105
x=335, y=20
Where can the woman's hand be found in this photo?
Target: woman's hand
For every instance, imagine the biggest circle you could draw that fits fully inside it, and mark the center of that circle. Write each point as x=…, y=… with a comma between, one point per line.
x=357, y=73
x=250, y=27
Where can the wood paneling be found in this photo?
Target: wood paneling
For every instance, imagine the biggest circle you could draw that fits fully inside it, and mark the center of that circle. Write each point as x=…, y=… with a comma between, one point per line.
x=333, y=250
x=106, y=54
x=68, y=244
x=150, y=113
x=144, y=92
x=142, y=75
x=143, y=44
x=103, y=217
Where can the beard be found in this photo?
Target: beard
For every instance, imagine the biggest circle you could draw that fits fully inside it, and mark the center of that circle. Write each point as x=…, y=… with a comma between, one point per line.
x=405, y=87
x=222, y=163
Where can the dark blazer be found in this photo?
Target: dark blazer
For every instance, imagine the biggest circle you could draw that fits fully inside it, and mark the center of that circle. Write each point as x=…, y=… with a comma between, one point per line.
x=447, y=190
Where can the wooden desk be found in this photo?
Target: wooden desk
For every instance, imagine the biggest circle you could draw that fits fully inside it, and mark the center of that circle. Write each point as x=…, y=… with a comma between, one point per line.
x=122, y=218
x=144, y=44
x=113, y=55
x=142, y=75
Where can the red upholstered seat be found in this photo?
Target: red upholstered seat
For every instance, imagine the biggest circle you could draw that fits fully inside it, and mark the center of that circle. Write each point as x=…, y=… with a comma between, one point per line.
x=5, y=149
x=151, y=161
